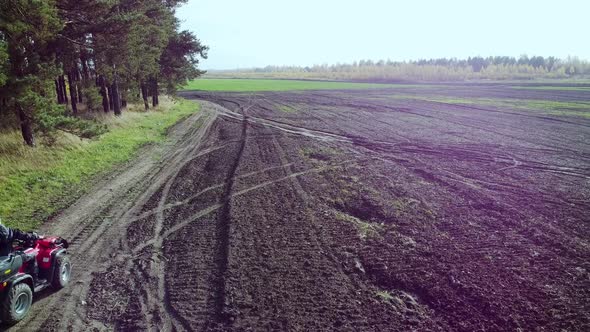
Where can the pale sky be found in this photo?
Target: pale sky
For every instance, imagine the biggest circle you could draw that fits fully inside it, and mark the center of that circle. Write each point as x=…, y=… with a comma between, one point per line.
x=256, y=33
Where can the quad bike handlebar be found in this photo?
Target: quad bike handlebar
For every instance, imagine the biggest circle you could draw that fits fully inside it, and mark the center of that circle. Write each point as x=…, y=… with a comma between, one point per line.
x=47, y=240
x=60, y=241
x=23, y=244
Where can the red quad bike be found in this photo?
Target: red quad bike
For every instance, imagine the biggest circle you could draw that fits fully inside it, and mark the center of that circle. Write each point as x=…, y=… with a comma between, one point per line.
x=31, y=268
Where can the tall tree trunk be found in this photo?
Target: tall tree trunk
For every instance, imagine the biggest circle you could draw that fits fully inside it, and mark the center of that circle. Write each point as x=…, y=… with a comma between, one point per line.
x=116, y=100
x=85, y=71
x=110, y=92
x=80, y=99
x=104, y=93
x=123, y=91
x=58, y=92
x=64, y=93
x=73, y=92
x=2, y=107
x=144, y=95
x=155, y=99
x=79, y=79
x=25, y=126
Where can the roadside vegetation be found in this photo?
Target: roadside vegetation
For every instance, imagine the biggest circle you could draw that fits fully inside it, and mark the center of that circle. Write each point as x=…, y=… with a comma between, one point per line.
x=473, y=68
x=35, y=183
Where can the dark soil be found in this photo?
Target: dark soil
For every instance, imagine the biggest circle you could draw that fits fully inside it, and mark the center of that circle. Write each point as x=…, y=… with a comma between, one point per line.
x=354, y=212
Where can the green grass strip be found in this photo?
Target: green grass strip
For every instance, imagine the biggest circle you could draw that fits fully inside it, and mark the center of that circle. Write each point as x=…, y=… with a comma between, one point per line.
x=30, y=193
x=548, y=107
x=253, y=85
x=554, y=88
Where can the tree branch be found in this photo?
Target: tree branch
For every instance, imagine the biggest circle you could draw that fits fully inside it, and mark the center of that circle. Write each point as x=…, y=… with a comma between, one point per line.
x=73, y=41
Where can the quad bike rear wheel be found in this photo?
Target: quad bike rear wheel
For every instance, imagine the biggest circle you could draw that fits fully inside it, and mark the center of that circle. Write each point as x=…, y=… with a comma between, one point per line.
x=17, y=303
x=62, y=272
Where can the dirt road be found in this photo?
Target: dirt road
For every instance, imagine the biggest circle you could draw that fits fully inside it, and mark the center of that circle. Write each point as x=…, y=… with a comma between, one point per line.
x=336, y=211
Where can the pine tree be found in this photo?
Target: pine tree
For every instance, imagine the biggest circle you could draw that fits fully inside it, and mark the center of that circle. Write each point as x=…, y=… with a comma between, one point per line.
x=27, y=27
x=180, y=59
x=93, y=49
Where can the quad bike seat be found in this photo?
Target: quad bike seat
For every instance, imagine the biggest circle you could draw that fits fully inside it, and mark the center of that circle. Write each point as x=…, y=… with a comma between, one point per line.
x=9, y=265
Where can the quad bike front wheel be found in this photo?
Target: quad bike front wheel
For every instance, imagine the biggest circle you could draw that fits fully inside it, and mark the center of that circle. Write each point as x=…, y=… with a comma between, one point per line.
x=62, y=272
x=17, y=303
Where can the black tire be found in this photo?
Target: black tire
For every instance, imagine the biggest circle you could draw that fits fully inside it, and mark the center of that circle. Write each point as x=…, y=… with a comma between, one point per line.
x=62, y=272
x=17, y=303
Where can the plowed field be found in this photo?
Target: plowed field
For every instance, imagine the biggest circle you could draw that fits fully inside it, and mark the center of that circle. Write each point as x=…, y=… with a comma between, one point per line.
x=460, y=208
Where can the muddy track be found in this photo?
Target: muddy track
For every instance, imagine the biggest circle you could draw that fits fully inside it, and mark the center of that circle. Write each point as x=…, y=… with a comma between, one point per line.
x=221, y=316
x=97, y=223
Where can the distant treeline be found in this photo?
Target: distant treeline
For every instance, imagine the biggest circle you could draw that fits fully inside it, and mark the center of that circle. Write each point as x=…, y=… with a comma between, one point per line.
x=59, y=55
x=443, y=69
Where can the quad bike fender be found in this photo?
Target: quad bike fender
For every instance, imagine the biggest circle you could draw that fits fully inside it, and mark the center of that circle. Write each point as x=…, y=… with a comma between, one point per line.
x=15, y=280
x=54, y=255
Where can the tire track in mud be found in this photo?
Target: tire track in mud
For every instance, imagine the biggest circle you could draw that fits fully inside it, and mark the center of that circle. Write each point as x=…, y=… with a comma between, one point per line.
x=156, y=299
x=210, y=209
x=158, y=269
x=224, y=222
x=204, y=191
x=318, y=239
x=312, y=244
x=161, y=303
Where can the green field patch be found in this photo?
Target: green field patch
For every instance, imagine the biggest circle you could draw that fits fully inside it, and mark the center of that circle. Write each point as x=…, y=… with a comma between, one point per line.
x=571, y=113
x=553, y=88
x=455, y=100
x=286, y=109
x=37, y=182
x=253, y=85
x=557, y=105
x=548, y=107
